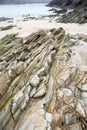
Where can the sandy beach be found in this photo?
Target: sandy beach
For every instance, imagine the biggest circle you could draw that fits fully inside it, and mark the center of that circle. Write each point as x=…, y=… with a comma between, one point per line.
x=24, y=28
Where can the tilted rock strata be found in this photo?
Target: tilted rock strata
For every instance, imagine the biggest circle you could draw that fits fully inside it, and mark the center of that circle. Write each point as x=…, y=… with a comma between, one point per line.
x=40, y=88
x=24, y=70
x=69, y=106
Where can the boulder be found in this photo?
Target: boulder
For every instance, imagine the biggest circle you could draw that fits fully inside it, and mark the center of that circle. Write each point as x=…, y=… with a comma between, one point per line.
x=80, y=109
x=34, y=81
x=4, y=83
x=74, y=127
x=68, y=96
x=41, y=91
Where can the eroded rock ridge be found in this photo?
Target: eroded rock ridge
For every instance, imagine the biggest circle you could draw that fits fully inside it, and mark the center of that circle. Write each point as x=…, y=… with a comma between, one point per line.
x=41, y=88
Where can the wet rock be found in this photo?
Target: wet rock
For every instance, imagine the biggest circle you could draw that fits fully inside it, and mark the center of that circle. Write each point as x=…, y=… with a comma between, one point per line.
x=7, y=39
x=33, y=91
x=18, y=97
x=7, y=27
x=12, y=74
x=58, y=31
x=40, y=84
x=4, y=80
x=17, y=115
x=28, y=61
x=34, y=81
x=75, y=127
x=84, y=95
x=27, y=89
x=60, y=93
x=23, y=104
x=80, y=109
x=66, y=78
x=46, y=66
x=19, y=67
x=71, y=42
x=41, y=91
x=68, y=96
x=50, y=91
x=49, y=118
x=58, y=118
x=69, y=119
x=57, y=128
x=49, y=59
x=14, y=107
x=61, y=83
x=72, y=71
x=84, y=88
x=42, y=72
x=78, y=13
x=3, y=114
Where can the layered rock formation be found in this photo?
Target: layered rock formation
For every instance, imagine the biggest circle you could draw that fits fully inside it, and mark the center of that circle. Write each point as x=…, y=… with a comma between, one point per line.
x=41, y=87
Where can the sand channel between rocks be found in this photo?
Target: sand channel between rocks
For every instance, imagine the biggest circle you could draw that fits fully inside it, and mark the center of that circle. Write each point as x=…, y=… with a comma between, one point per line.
x=24, y=28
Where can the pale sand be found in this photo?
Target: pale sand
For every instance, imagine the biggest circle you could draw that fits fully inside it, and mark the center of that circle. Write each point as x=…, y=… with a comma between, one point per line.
x=27, y=27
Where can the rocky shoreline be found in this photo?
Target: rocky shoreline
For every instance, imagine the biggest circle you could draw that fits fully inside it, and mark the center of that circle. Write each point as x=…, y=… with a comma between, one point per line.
x=78, y=15
x=67, y=15
x=43, y=83
x=60, y=15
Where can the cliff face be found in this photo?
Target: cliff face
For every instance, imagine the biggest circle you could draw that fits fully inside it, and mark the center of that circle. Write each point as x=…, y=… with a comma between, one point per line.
x=60, y=2
x=74, y=3
x=23, y=1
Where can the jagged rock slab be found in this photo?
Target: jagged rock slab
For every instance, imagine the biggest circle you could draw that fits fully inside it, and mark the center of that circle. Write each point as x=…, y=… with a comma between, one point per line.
x=40, y=87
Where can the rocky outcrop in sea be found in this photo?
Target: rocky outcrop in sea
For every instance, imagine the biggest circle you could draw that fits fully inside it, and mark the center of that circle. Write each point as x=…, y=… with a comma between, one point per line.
x=41, y=86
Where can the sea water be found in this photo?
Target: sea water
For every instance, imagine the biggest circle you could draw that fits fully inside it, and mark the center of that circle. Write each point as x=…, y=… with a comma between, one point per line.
x=17, y=11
